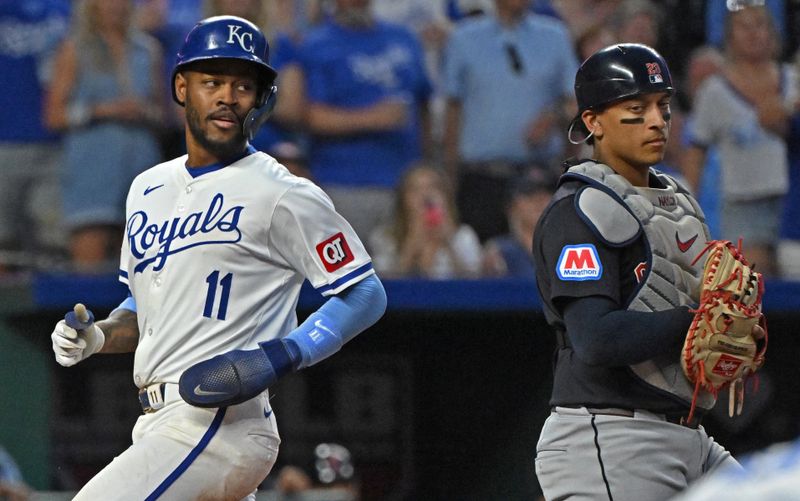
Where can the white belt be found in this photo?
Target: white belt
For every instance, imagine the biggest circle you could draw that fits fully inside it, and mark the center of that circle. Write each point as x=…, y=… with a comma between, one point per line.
x=157, y=395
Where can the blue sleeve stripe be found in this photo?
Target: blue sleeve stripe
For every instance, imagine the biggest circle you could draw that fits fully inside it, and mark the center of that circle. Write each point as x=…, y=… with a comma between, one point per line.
x=337, y=283
x=212, y=430
x=123, y=274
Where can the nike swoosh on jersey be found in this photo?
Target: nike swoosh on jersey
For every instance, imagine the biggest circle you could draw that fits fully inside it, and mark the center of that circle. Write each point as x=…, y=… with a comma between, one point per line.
x=684, y=246
x=149, y=189
x=200, y=392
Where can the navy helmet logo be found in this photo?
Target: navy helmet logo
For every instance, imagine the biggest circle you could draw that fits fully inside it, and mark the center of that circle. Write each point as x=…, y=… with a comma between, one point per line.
x=654, y=73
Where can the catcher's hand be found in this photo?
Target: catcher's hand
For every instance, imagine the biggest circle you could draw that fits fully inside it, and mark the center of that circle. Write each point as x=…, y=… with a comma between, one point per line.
x=727, y=339
x=76, y=337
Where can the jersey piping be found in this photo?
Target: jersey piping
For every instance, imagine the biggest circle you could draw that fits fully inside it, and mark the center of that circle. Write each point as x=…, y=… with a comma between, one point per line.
x=193, y=454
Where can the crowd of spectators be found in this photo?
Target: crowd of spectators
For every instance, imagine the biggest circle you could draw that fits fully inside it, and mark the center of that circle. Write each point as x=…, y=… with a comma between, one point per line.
x=437, y=127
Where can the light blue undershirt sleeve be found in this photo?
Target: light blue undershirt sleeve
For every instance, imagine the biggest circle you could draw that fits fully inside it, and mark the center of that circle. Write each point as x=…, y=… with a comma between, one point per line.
x=339, y=320
x=128, y=304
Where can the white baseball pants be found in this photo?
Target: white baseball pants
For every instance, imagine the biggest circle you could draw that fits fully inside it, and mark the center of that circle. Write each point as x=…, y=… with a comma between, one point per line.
x=181, y=453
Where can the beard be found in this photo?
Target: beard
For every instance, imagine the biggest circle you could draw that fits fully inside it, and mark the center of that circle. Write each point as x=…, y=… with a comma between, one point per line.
x=220, y=149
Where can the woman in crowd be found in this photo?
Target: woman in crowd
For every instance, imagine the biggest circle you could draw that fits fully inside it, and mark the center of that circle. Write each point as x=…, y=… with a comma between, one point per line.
x=744, y=112
x=425, y=239
x=106, y=99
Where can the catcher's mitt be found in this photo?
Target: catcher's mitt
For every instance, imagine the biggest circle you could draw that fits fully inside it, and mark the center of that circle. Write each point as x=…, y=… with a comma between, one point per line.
x=720, y=349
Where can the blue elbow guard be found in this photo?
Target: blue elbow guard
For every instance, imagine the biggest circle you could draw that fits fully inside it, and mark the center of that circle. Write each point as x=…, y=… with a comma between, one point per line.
x=239, y=375
x=339, y=320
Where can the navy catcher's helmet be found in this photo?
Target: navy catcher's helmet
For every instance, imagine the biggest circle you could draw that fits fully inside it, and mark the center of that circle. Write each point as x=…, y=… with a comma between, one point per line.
x=618, y=72
x=230, y=37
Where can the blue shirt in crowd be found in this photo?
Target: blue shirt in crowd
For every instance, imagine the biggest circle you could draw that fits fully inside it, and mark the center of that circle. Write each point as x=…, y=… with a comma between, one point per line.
x=282, y=52
x=504, y=77
x=30, y=32
x=354, y=69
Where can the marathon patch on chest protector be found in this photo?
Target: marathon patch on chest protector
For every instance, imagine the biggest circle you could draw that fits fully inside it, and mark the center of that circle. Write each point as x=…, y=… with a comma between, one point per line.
x=579, y=262
x=334, y=252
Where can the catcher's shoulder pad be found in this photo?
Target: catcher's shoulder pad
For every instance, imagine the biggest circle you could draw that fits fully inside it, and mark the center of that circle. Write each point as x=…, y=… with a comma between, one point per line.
x=607, y=216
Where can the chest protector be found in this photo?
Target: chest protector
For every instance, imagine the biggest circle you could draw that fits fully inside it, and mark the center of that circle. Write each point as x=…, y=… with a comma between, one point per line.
x=674, y=233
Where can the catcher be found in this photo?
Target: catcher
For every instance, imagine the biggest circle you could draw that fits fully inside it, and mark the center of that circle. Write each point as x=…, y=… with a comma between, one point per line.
x=652, y=319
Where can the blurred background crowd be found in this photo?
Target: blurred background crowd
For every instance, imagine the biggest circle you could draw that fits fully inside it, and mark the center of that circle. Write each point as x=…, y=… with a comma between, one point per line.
x=437, y=127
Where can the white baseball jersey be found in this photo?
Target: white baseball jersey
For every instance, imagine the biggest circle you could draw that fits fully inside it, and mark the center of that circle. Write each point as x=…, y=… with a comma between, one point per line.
x=215, y=262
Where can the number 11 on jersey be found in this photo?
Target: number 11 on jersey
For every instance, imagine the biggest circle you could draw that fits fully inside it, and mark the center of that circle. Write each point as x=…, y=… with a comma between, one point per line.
x=211, y=295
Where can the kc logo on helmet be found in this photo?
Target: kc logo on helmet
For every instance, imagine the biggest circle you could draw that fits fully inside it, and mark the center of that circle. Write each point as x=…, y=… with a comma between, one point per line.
x=578, y=263
x=245, y=39
x=334, y=252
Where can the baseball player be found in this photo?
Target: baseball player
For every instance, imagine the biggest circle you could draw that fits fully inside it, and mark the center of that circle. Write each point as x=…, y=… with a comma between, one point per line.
x=614, y=256
x=217, y=244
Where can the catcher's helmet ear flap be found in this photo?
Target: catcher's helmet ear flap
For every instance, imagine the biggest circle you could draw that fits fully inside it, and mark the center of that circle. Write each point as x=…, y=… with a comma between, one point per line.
x=614, y=73
x=231, y=37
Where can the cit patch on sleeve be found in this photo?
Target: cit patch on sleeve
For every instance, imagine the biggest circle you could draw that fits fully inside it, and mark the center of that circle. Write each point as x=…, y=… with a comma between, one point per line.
x=578, y=263
x=334, y=252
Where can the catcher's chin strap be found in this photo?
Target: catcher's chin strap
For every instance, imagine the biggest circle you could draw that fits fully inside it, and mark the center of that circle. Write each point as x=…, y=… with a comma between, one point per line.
x=736, y=387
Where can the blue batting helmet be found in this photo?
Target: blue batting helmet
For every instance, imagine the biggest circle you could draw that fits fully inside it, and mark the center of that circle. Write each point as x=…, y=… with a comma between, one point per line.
x=231, y=37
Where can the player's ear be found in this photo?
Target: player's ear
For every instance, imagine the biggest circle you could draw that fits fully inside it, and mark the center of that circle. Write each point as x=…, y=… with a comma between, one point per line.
x=591, y=122
x=180, y=87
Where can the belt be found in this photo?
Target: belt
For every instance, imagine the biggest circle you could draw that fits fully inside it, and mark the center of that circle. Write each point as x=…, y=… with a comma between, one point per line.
x=157, y=395
x=673, y=418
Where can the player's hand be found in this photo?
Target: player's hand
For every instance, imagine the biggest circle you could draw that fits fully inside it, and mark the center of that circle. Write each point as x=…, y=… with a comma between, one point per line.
x=758, y=332
x=76, y=337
